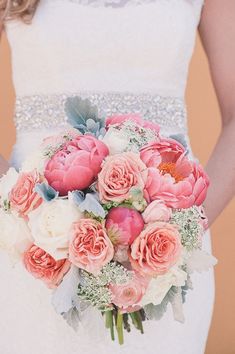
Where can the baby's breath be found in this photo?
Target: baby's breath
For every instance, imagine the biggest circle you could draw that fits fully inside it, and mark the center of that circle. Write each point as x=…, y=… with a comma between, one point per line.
x=94, y=289
x=137, y=136
x=190, y=227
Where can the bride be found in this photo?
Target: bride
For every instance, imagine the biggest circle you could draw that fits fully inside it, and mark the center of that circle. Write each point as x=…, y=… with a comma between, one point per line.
x=125, y=55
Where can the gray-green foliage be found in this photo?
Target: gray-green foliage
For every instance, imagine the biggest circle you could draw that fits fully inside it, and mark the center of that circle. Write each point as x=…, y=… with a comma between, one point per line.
x=156, y=312
x=83, y=116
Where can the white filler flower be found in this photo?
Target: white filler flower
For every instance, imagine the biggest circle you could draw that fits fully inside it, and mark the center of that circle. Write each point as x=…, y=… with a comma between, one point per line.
x=159, y=286
x=14, y=236
x=7, y=182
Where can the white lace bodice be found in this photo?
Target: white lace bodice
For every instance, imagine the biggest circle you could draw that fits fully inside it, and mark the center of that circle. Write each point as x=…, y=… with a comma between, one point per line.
x=105, y=45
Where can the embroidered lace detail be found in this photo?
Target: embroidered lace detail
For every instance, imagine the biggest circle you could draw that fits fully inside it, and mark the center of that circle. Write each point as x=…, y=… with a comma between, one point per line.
x=112, y=3
x=45, y=111
x=115, y=3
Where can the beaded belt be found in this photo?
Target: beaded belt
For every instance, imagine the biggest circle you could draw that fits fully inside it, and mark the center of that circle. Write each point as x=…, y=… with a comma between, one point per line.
x=47, y=111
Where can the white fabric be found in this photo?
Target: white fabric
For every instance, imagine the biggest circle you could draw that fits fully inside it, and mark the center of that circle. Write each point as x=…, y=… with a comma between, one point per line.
x=72, y=47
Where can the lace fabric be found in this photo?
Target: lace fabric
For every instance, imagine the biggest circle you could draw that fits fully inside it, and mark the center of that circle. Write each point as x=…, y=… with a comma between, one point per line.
x=112, y=3
x=116, y=3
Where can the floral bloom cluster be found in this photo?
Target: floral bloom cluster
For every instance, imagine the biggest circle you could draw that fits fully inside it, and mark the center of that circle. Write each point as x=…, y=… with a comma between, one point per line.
x=108, y=214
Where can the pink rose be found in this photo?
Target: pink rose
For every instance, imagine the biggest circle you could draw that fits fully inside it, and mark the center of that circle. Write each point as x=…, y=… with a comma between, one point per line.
x=156, y=211
x=119, y=174
x=76, y=165
x=43, y=266
x=172, y=177
x=90, y=247
x=156, y=249
x=62, y=138
x=22, y=197
x=136, y=118
x=127, y=296
x=124, y=225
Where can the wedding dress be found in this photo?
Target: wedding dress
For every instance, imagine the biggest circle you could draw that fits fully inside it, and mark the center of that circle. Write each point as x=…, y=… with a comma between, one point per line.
x=126, y=56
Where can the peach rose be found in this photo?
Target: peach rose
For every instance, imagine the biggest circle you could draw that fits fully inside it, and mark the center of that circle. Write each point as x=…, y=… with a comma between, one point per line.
x=156, y=211
x=43, y=266
x=128, y=295
x=156, y=249
x=119, y=174
x=22, y=197
x=90, y=247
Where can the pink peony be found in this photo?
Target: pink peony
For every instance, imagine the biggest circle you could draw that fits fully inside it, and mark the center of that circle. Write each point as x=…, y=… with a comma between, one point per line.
x=22, y=197
x=172, y=177
x=119, y=174
x=136, y=118
x=124, y=225
x=90, y=247
x=156, y=211
x=43, y=266
x=162, y=151
x=127, y=296
x=156, y=249
x=76, y=165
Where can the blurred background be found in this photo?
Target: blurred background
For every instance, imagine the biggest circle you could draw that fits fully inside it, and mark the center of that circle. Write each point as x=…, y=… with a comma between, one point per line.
x=204, y=128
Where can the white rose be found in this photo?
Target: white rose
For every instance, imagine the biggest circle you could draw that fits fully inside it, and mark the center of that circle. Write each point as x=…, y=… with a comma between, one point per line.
x=14, y=236
x=50, y=225
x=7, y=182
x=159, y=286
x=35, y=160
x=116, y=141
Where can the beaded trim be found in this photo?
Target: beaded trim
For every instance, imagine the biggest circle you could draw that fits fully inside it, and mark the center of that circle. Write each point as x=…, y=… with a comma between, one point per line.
x=46, y=111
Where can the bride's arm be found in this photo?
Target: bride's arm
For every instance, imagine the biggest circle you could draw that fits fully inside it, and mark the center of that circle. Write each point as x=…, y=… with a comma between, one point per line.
x=3, y=163
x=217, y=30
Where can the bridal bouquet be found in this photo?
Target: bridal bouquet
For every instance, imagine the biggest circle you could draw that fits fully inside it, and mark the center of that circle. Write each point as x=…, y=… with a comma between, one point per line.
x=108, y=214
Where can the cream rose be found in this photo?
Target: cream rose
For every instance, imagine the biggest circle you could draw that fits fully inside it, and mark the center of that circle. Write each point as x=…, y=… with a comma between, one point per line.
x=14, y=236
x=50, y=225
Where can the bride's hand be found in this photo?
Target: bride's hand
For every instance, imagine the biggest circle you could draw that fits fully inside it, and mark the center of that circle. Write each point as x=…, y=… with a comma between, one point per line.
x=4, y=166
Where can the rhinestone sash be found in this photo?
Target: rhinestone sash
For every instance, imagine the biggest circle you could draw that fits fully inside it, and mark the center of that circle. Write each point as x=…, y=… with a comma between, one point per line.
x=47, y=111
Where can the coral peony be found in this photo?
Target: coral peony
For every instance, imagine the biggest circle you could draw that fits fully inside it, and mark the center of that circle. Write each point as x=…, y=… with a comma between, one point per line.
x=124, y=225
x=90, y=247
x=172, y=177
x=156, y=249
x=42, y=266
x=76, y=165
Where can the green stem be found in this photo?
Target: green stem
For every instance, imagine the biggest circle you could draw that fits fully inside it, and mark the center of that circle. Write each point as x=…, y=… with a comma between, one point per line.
x=109, y=322
x=137, y=320
x=120, y=327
